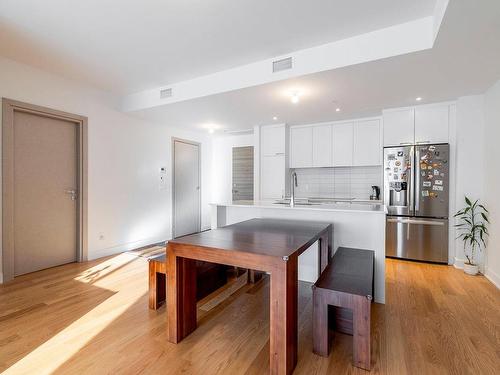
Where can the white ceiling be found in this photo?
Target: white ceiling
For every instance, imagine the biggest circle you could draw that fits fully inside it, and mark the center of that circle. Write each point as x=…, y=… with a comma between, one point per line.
x=126, y=46
x=465, y=60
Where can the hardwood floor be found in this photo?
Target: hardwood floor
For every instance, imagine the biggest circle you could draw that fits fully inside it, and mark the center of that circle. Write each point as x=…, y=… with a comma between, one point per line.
x=93, y=318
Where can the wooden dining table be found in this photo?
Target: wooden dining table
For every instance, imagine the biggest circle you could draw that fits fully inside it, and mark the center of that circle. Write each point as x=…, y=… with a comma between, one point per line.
x=269, y=245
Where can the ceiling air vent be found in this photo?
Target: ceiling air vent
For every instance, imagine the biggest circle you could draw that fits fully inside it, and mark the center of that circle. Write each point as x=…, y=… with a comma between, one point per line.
x=165, y=93
x=282, y=64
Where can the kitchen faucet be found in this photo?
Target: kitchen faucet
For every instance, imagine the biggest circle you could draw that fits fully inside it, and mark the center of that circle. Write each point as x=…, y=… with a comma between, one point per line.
x=293, y=184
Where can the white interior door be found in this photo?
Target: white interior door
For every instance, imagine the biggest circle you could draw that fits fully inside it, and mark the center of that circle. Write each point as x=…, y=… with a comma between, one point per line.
x=187, y=203
x=45, y=192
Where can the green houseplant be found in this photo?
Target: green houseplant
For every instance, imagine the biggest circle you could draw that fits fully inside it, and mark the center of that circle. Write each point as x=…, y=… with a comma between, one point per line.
x=472, y=223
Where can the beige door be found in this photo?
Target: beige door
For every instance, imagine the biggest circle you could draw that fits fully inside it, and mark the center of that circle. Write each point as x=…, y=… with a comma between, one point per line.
x=45, y=192
x=186, y=188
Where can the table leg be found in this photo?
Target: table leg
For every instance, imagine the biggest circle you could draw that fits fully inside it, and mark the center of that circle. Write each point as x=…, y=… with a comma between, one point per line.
x=321, y=340
x=181, y=296
x=283, y=317
x=325, y=249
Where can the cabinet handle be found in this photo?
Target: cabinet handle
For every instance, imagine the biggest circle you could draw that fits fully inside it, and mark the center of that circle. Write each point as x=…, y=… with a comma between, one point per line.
x=420, y=142
x=279, y=153
x=406, y=143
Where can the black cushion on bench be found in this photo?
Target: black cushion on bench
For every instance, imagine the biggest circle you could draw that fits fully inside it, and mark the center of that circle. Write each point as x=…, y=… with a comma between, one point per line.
x=350, y=271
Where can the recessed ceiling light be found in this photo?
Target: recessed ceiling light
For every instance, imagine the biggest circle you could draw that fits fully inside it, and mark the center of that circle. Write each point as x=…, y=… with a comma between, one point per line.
x=418, y=99
x=211, y=130
x=275, y=118
x=337, y=110
x=295, y=98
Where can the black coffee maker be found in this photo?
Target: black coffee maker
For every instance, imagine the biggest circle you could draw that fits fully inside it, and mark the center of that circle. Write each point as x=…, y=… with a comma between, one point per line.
x=375, y=193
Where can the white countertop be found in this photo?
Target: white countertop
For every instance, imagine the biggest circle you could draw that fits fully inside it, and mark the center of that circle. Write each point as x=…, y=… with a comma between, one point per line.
x=342, y=207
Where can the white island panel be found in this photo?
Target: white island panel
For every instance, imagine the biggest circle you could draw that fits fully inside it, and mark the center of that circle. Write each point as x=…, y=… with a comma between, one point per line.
x=354, y=225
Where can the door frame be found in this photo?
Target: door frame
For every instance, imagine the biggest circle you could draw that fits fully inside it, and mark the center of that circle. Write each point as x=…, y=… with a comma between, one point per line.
x=9, y=107
x=198, y=144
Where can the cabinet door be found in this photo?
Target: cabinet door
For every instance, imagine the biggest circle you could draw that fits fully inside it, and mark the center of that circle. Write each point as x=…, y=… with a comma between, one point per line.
x=431, y=124
x=301, y=147
x=322, y=146
x=342, y=145
x=272, y=140
x=367, y=148
x=399, y=127
x=272, y=177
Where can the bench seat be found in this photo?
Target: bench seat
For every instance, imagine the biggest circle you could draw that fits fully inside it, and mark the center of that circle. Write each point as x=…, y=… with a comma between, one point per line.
x=346, y=284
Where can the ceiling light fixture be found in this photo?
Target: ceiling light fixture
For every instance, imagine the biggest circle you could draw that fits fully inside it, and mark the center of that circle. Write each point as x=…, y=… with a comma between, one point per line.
x=418, y=99
x=275, y=118
x=211, y=130
x=295, y=98
x=337, y=110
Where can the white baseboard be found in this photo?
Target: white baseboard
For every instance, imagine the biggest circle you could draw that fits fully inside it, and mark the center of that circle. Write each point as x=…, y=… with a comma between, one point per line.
x=493, y=277
x=113, y=250
x=459, y=263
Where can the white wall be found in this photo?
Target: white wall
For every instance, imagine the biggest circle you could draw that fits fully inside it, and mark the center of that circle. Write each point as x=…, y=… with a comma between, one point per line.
x=222, y=161
x=469, y=162
x=492, y=179
x=125, y=204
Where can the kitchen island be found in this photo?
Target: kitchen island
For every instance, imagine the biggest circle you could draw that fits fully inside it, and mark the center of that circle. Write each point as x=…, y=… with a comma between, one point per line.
x=355, y=225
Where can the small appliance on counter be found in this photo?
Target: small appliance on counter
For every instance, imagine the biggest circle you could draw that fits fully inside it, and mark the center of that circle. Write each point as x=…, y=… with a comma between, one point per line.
x=375, y=193
x=416, y=192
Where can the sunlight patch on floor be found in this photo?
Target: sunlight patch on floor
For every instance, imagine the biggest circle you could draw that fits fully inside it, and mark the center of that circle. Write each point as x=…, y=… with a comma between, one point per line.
x=95, y=275
x=53, y=353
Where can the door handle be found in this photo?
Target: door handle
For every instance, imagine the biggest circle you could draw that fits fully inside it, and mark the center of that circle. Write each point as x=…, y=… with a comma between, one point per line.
x=409, y=221
x=73, y=194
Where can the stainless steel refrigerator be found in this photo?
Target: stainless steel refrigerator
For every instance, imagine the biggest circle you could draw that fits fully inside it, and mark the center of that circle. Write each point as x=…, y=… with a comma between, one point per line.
x=416, y=192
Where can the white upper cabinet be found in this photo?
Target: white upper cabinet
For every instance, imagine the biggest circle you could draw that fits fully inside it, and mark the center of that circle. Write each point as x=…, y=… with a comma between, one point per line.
x=273, y=138
x=342, y=144
x=301, y=147
x=367, y=148
x=322, y=146
x=431, y=124
x=399, y=128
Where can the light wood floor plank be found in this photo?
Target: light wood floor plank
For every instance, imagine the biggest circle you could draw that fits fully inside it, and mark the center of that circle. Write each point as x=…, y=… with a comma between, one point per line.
x=93, y=318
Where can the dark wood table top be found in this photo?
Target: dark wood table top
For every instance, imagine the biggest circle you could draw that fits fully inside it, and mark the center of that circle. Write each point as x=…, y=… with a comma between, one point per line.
x=272, y=237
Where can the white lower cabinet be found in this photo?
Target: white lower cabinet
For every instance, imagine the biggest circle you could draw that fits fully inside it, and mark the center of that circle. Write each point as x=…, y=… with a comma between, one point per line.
x=367, y=147
x=272, y=177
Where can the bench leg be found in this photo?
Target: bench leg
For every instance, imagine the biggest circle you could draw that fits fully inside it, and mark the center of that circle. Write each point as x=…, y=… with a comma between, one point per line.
x=321, y=342
x=157, y=288
x=361, y=332
x=254, y=276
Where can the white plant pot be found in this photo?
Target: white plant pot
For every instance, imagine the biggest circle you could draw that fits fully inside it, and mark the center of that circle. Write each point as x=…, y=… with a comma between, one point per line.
x=471, y=269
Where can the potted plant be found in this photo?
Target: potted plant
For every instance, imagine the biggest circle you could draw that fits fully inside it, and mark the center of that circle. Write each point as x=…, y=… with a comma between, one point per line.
x=472, y=223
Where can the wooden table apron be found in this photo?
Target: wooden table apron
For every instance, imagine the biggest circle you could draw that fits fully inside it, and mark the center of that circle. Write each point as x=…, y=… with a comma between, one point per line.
x=181, y=291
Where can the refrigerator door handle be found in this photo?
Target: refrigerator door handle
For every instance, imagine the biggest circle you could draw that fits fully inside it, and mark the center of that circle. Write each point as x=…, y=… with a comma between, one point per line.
x=417, y=182
x=411, y=190
x=413, y=221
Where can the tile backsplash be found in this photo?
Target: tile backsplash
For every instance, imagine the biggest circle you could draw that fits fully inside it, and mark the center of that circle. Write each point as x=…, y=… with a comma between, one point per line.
x=339, y=182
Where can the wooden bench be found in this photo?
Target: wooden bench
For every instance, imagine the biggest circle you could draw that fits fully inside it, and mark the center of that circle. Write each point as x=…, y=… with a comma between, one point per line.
x=210, y=277
x=346, y=286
